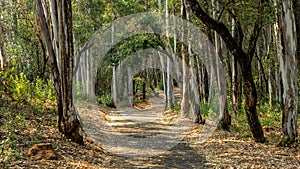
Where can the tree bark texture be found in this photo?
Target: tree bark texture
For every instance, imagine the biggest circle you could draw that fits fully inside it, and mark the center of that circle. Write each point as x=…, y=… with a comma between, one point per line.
x=68, y=120
x=286, y=30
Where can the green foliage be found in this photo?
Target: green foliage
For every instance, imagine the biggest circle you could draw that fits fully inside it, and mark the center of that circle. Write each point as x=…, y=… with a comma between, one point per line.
x=104, y=77
x=160, y=85
x=78, y=91
x=23, y=43
x=239, y=125
x=20, y=89
x=207, y=110
x=106, y=99
x=132, y=45
x=177, y=106
x=270, y=115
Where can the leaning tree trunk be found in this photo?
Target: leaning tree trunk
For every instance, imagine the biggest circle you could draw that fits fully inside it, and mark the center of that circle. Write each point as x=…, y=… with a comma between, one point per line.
x=243, y=58
x=68, y=120
x=289, y=73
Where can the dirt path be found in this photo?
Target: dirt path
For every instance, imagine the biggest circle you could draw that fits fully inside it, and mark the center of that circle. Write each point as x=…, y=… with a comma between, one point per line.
x=140, y=146
x=142, y=137
x=151, y=139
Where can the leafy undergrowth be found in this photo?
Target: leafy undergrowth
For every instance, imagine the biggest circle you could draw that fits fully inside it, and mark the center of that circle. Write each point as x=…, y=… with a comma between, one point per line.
x=22, y=126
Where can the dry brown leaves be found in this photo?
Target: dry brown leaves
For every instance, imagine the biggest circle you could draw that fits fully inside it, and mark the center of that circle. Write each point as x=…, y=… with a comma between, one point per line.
x=222, y=150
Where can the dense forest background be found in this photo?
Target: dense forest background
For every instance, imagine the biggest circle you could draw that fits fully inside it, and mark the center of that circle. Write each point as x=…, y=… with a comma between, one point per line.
x=42, y=41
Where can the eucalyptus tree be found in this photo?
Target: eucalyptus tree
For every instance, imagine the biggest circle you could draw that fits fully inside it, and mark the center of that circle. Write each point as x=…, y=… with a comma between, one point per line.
x=61, y=61
x=185, y=107
x=286, y=44
x=225, y=118
x=170, y=60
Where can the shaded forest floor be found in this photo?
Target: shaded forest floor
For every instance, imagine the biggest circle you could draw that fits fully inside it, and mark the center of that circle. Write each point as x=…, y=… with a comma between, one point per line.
x=23, y=126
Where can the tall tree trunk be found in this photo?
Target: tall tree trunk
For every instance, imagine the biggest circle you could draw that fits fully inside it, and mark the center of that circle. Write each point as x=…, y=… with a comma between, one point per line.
x=267, y=44
x=289, y=73
x=170, y=85
x=224, y=117
x=175, y=37
x=2, y=45
x=244, y=59
x=185, y=107
x=54, y=21
x=130, y=86
x=68, y=120
x=162, y=62
x=2, y=49
x=238, y=35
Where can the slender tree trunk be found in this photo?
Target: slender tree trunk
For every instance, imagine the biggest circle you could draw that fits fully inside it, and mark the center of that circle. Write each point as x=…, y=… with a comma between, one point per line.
x=2, y=48
x=130, y=87
x=162, y=62
x=175, y=58
x=260, y=74
x=267, y=44
x=185, y=107
x=114, y=81
x=237, y=33
x=2, y=45
x=170, y=85
x=54, y=21
x=225, y=118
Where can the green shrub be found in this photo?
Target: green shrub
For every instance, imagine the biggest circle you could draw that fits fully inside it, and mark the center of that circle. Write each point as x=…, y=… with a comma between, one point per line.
x=160, y=85
x=270, y=115
x=177, y=106
x=106, y=99
x=20, y=88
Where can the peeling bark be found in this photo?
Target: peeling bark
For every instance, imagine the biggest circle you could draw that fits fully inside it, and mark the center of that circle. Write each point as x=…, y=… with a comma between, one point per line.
x=68, y=120
x=287, y=38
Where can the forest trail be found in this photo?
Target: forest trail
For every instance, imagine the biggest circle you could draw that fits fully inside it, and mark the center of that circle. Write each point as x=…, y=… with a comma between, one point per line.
x=223, y=149
x=146, y=132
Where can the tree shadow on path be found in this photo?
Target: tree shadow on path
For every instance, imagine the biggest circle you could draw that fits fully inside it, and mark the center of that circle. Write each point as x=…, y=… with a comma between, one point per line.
x=180, y=156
